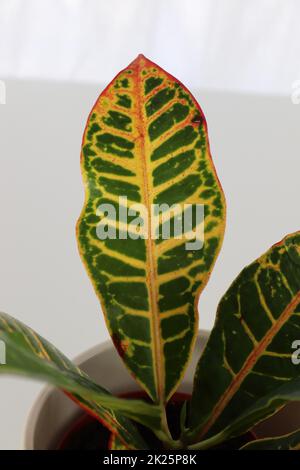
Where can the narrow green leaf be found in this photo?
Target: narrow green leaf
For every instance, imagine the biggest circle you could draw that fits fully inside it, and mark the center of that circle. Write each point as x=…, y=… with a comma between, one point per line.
x=29, y=354
x=287, y=442
x=146, y=140
x=249, y=352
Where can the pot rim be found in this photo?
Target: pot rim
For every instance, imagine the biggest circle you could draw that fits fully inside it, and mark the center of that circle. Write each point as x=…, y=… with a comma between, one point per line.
x=32, y=417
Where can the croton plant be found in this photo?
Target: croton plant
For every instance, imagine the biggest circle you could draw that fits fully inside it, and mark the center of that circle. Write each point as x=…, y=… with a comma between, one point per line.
x=146, y=142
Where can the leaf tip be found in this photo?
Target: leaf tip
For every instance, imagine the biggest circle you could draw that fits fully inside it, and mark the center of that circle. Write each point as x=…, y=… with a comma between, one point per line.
x=139, y=59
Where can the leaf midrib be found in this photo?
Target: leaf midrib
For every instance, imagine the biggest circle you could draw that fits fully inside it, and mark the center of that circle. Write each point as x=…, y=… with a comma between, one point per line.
x=151, y=274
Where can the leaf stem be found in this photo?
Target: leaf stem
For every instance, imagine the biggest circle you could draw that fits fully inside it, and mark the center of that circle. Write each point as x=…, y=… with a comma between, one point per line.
x=208, y=443
x=164, y=435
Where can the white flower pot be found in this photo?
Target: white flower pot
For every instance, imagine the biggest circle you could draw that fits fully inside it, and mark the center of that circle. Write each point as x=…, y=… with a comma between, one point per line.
x=53, y=413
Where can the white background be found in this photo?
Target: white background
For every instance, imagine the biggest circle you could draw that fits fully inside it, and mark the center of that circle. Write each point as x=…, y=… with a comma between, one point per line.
x=247, y=45
x=254, y=139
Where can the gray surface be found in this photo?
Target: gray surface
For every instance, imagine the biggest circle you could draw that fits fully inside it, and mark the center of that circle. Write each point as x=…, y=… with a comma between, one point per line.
x=255, y=144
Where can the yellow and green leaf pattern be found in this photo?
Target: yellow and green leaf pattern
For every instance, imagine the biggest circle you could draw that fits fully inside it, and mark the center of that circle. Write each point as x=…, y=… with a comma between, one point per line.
x=146, y=140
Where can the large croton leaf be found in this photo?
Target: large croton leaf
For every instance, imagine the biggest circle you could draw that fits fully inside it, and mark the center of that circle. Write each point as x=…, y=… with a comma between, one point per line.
x=249, y=352
x=29, y=354
x=146, y=142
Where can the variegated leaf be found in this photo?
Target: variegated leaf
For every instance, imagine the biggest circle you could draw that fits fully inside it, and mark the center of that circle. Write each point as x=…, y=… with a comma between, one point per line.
x=27, y=353
x=146, y=140
x=249, y=352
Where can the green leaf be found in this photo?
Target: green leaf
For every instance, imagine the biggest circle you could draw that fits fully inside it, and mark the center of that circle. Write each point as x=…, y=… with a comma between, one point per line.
x=29, y=354
x=249, y=352
x=287, y=442
x=263, y=408
x=146, y=140
x=257, y=412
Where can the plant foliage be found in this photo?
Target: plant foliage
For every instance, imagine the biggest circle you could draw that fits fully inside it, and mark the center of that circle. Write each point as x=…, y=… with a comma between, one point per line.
x=146, y=143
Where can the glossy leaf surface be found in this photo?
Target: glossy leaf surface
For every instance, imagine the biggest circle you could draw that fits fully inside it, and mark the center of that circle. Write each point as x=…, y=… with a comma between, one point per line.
x=249, y=352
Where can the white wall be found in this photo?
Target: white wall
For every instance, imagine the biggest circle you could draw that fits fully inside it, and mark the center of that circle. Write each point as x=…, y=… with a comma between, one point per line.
x=236, y=45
